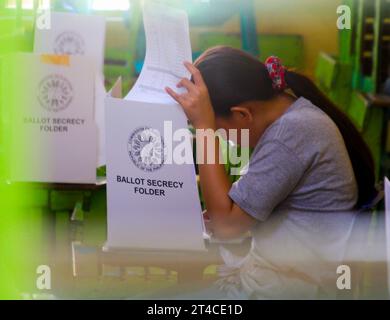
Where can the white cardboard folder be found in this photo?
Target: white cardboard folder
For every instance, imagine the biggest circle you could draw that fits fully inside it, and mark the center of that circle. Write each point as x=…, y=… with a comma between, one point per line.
x=79, y=35
x=54, y=134
x=73, y=34
x=170, y=221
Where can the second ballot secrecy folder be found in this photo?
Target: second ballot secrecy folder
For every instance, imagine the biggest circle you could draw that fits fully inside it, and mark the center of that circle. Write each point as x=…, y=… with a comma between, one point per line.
x=83, y=35
x=54, y=134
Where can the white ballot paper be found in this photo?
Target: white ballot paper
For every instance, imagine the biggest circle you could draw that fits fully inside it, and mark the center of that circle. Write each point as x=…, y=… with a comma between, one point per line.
x=153, y=201
x=79, y=35
x=167, y=47
x=53, y=128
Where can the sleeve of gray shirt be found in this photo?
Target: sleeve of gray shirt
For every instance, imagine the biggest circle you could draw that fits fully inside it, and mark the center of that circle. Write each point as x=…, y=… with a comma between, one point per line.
x=273, y=172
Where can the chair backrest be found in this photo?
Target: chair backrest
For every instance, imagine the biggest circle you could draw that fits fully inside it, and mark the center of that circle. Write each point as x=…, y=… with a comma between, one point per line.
x=387, y=226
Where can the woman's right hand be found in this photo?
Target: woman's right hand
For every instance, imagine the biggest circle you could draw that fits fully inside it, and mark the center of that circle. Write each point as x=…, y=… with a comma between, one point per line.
x=196, y=101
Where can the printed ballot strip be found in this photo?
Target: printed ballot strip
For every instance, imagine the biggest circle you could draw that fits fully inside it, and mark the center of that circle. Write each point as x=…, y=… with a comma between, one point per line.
x=53, y=128
x=79, y=35
x=152, y=202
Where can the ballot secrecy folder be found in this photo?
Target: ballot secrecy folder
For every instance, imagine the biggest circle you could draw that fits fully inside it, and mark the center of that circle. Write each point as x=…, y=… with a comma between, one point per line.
x=73, y=34
x=152, y=204
x=76, y=34
x=54, y=134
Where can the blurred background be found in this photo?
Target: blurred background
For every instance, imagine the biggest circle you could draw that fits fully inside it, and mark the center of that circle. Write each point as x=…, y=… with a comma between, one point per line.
x=297, y=31
x=352, y=66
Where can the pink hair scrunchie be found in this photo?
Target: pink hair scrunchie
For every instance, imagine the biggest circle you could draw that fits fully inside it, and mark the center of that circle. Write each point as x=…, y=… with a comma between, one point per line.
x=277, y=73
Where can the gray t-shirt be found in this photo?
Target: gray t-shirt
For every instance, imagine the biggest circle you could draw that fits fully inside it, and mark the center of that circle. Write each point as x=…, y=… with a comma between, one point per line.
x=301, y=188
x=301, y=163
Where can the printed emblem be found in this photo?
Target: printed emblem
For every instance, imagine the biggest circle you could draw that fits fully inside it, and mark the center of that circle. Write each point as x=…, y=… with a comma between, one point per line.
x=146, y=149
x=55, y=93
x=69, y=43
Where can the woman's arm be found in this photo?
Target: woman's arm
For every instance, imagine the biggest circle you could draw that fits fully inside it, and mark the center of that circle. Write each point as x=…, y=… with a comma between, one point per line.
x=227, y=219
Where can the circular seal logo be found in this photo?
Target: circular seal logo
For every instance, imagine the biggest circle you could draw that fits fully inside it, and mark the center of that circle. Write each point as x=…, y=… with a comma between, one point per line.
x=69, y=43
x=55, y=93
x=146, y=149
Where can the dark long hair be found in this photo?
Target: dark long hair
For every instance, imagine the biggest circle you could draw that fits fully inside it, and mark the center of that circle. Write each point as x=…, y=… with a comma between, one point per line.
x=234, y=77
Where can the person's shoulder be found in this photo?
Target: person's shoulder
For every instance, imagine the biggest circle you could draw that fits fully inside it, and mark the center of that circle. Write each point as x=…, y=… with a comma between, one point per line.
x=302, y=125
x=304, y=118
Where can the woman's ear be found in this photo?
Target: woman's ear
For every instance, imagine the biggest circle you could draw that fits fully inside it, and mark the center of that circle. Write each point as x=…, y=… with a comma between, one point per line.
x=242, y=114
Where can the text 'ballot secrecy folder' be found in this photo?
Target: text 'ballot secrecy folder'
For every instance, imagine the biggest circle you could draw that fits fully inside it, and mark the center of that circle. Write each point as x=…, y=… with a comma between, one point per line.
x=153, y=202
x=54, y=134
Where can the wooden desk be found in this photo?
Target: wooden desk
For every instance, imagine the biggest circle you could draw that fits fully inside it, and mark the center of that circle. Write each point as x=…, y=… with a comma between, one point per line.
x=50, y=187
x=377, y=100
x=189, y=265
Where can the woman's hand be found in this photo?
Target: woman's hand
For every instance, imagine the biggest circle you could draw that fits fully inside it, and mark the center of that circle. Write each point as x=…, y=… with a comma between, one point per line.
x=196, y=102
x=207, y=222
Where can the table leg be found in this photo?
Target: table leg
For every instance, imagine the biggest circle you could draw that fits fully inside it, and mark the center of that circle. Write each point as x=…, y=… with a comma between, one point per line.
x=50, y=225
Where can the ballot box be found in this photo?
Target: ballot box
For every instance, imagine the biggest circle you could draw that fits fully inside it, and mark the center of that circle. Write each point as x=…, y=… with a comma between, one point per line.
x=50, y=118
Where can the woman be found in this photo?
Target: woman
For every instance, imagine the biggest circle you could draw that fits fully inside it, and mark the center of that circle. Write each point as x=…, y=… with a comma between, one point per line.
x=310, y=169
